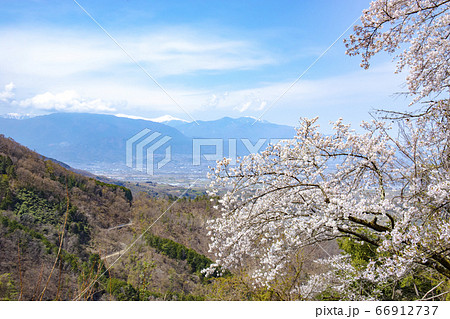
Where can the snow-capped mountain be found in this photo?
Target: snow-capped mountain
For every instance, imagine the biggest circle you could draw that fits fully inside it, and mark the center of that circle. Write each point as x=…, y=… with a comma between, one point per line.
x=162, y=119
x=227, y=127
x=17, y=116
x=86, y=139
x=168, y=118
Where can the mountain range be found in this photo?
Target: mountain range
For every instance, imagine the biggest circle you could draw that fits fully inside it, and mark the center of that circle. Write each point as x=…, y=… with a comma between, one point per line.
x=82, y=139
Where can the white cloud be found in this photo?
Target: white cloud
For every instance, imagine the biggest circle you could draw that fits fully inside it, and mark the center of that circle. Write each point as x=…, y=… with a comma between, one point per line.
x=244, y=107
x=361, y=88
x=67, y=101
x=216, y=98
x=174, y=51
x=254, y=104
x=57, y=60
x=8, y=93
x=352, y=94
x=189, y=52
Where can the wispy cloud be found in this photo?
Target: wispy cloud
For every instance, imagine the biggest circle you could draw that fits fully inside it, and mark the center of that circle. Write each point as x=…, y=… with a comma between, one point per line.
x=59, y=60
x=213, y=63
x=362, y=88
x=181, y=52
x=56, y=53
x=253, y=103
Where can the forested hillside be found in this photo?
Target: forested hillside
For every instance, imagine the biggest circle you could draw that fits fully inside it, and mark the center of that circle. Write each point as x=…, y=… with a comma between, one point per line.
x=42, y=202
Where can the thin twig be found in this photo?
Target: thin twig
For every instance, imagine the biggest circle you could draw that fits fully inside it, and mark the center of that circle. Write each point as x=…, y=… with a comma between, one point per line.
x=38, y=284
x=431, y=290
x=432, y=297
x=61, y=240
x=20, y=271
x=59, y=280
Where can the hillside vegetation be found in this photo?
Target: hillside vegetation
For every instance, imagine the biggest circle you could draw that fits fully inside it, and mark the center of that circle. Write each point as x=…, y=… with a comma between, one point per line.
x=42, y=202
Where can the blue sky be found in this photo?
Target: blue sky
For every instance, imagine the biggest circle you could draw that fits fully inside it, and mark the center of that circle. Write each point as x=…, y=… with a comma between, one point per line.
x=214, y=58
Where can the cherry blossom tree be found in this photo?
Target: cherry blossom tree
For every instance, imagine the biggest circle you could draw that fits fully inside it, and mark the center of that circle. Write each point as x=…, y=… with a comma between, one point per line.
x=390, y=192
x=420, y=30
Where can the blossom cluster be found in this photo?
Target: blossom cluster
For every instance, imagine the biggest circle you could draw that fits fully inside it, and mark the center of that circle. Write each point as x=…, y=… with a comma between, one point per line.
x=419, y=30
x=391, y=193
